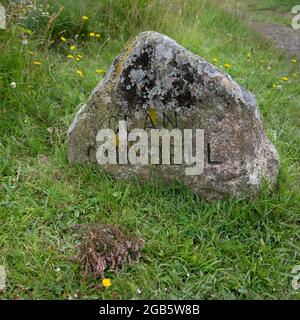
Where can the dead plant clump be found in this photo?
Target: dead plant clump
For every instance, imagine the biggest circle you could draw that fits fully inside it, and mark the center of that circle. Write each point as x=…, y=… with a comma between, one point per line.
x=106, y=246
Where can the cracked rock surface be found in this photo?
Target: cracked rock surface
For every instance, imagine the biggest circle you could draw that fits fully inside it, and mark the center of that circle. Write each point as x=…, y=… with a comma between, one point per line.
x=156, y=83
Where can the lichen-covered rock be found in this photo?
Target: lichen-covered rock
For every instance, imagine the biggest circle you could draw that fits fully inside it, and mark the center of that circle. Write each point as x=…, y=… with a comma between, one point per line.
x=157, y=83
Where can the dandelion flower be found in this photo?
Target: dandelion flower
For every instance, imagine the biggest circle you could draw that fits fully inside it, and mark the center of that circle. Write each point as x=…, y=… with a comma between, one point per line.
x=85, y=18
x=73, y=47
x=100, y=71
x=13, y=85
x=215, y=60
x=37, y=63
x=294, y=60
x=227, y=65
x=106, y=283
x=69, y=56
x=78, y=57
x=63, y=39
x=79, y=72
x=285, y=78
x=92, y=34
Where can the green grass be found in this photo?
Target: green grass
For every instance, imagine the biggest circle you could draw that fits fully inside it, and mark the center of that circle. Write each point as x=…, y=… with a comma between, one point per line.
x=229, y=249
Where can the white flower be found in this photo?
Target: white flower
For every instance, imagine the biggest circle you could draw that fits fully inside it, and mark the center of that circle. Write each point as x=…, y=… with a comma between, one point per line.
x=24, y=42
x=138, y=291
x=58, y=269
x=13, y=85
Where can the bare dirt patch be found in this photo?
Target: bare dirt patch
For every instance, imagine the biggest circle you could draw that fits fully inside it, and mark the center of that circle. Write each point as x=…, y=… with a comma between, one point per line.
x=283, y=37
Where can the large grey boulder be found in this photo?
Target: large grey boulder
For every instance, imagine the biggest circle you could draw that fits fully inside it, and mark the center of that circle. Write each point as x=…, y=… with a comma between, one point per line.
x=155, y=82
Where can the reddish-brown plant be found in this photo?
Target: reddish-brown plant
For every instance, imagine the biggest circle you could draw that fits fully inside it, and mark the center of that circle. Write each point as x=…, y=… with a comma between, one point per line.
x=106, y=246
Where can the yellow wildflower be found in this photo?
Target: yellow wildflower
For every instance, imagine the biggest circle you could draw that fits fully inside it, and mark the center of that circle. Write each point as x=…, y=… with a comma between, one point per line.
x=106, y=283
x=73, y=47
x=69, y=56
x=85, y=18
x=92, y=34
x=37, y=63
x=215, y=60
x=97, y=35
x=79, y=72
x=100, y=71
x=294, y=60
x=227, y=65
x=63, y=39
x=285, y=78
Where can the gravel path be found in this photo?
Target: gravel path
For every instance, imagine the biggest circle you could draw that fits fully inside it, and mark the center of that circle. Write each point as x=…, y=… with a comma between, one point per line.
x=283, y=37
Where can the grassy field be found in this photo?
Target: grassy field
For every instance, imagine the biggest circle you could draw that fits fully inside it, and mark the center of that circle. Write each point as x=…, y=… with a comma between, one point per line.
x=234, y=249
